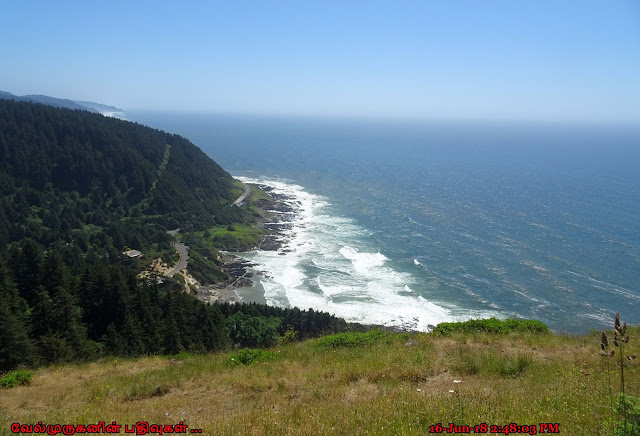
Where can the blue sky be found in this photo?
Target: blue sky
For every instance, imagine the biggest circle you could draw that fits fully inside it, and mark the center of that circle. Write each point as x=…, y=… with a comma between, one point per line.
x=538, y=60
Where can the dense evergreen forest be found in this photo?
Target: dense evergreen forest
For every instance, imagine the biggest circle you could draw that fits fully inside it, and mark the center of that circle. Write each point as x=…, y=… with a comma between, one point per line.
x=76, y=188
x=60, y=169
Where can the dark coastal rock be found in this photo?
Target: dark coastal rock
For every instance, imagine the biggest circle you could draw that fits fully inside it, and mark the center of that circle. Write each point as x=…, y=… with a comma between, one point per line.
x=270, y=244
x=282, y=207
x=281, y=212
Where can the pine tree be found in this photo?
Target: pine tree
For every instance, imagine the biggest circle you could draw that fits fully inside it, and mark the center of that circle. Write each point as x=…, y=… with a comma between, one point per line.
x=16, y=347
x=27, y=267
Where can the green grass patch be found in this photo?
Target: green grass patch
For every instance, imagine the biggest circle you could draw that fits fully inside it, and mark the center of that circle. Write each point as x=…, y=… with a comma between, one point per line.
x=248, y=356
x=400, y=384
x=16, y=378
x=183, y=355
x=234, y=237
x=492, y=325
x=352, y=339
x=258, y=194
x=491, y=362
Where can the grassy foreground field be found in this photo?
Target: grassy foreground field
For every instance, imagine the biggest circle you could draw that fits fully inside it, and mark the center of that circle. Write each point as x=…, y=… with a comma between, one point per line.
x=391, y=383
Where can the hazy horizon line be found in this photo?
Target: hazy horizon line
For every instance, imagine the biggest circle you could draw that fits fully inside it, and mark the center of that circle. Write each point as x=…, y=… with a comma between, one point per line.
x=387, y=118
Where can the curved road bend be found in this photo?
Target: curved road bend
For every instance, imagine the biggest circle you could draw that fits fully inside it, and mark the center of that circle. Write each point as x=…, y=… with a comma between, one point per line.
x=182, y=251
x=240, y=199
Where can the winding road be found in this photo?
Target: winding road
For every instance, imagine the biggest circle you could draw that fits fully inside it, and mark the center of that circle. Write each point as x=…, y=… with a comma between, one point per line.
x=240, y=199
x=182, y=251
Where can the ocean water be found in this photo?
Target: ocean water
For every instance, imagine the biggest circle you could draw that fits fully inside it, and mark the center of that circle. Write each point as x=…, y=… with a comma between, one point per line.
x=411, y=224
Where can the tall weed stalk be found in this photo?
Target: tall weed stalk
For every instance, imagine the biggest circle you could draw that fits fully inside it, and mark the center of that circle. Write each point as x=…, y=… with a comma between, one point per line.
x=620, y=338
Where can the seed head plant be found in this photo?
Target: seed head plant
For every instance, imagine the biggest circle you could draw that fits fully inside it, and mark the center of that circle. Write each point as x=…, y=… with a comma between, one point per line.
x=620, y=338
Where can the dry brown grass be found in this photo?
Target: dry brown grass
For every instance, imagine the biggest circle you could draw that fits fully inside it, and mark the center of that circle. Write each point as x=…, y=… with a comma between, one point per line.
x=399, y=385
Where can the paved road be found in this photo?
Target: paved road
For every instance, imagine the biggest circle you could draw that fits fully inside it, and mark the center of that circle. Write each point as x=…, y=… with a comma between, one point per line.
x=182, y=251
x=240, y=199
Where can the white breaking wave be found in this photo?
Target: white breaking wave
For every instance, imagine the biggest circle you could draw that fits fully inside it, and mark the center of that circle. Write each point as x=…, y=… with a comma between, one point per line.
x=328, y=263
x=115, y=114
x=363, y=263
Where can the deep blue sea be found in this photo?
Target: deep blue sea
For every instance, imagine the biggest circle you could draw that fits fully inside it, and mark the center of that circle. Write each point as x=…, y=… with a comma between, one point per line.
x=415, y=223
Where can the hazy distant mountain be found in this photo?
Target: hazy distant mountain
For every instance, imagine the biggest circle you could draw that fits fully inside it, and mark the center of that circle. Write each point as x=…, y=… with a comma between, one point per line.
x=68, y=104
x=110, y=111
x=44, y=99
x=9, y=96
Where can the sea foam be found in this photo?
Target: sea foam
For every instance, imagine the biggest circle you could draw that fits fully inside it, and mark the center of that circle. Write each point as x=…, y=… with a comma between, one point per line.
x=329, y=263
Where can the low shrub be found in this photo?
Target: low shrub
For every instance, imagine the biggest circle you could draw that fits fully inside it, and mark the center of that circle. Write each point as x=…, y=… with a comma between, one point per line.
x=247, y=356
x=352, y=339
x=16, y=378
x=492, y=325
x=631, y=407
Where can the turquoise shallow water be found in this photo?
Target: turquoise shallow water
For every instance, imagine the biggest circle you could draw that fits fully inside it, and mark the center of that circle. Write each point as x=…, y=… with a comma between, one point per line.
x=411, y=224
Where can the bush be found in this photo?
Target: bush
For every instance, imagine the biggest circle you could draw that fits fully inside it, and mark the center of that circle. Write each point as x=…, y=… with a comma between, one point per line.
x=289, y=336
x=631, y=406
x=16, y=378
x=492, y=325
x=253, y=331
x=249, y=357
x=351, y=339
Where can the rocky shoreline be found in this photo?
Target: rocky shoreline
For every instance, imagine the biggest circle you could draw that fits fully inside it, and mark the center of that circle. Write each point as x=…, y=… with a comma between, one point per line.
x=278, y=216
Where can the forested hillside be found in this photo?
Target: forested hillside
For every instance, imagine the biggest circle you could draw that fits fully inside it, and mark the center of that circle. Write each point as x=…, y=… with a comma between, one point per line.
x=60, y=169
x=76, y=189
